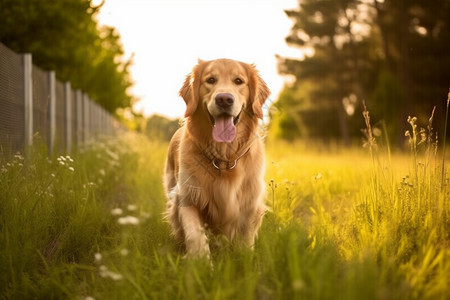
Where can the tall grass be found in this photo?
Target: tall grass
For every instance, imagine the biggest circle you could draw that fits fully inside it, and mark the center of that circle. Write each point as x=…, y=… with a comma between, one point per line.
x=344, y=224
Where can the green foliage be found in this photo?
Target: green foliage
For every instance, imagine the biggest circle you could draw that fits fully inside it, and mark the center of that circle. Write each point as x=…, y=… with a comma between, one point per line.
x=64, y=36
x=285, y=123
x=54, y=215
x=390, y=54
x=341, y=225
x=298, y=115
x=161, y=128
x=387, y=99
x=342, y=64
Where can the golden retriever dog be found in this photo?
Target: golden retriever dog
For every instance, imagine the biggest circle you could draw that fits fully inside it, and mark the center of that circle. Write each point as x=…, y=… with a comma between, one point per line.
x=215, y=164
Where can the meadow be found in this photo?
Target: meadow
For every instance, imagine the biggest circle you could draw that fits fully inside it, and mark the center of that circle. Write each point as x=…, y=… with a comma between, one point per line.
x=361, y=223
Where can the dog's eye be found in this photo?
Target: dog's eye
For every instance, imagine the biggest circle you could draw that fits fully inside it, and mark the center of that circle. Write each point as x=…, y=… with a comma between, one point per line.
x=211, y=80
x=238, y=81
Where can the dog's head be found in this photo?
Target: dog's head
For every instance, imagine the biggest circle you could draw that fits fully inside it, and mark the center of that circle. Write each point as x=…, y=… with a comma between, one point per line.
x=224, y=90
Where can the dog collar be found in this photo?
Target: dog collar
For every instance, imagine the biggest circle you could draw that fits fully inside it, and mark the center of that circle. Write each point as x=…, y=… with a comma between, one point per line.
x=216, y=162
x=229, y=165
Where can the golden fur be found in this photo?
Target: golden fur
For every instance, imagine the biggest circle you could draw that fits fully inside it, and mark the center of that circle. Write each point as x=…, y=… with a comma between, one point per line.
x=204, y=190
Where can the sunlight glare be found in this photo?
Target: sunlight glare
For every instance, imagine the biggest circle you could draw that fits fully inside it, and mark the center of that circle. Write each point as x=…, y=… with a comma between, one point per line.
x=168, y=37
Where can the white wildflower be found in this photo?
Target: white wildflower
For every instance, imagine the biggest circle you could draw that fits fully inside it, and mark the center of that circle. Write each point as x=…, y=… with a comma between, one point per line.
x=71, y=169
x=124, y=252
x=98, y=257
x=105, y=273
x=103, y=270
x=132, y=207
x=102, y=172
x=116, y=211
x=128, y=220
x=19, y=156
x=115, y=276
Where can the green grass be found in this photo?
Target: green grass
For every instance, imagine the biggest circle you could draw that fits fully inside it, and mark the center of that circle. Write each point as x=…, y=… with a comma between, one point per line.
x=344, y=224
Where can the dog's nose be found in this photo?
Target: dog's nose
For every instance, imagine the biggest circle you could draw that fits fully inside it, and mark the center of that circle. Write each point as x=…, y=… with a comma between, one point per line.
x=224, y=100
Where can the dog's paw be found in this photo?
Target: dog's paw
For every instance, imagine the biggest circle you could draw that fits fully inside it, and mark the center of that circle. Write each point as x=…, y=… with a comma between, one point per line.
x=198, y=249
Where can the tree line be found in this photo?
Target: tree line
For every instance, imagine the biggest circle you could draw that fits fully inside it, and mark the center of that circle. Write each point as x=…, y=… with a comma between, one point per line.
x=392, y=55
x=65, y=36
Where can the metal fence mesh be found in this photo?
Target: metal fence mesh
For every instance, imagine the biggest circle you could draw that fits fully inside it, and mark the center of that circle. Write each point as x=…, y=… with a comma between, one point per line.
x=60, y=124
x=41, y=104
x=12, y=120
x=76, y=117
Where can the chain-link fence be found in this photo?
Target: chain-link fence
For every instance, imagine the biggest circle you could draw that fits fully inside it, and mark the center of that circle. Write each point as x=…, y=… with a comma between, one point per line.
x=34, y=104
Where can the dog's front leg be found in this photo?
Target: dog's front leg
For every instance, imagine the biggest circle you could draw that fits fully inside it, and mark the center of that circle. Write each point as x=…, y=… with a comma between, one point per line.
x=194, y=233
x=252, y=223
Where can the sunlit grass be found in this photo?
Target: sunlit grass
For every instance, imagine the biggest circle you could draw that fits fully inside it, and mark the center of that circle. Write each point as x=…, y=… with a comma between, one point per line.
x=343, y=224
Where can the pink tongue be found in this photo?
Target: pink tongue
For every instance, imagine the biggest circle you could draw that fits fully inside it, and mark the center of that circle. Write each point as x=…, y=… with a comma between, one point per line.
x=224, y=130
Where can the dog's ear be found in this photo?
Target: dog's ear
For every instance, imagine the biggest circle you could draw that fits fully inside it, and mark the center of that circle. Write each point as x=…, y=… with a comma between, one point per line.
x=190, y=89
x=259, y=92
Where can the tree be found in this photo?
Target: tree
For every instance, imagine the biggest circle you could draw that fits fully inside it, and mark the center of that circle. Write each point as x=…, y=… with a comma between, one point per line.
x=64, y=36
x=391, y=53
x=340, y=67
x=161, y=128
x=415, y=38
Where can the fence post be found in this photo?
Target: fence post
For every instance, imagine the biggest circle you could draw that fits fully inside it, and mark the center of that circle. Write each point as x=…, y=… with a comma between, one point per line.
x=86, y=115
x=52, y=110
x=28, y=97
x=69, y=115
x=79, y=104
x=102, y=121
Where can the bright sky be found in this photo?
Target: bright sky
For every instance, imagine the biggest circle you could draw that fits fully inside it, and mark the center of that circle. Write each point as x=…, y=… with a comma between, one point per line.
x=167, y=38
